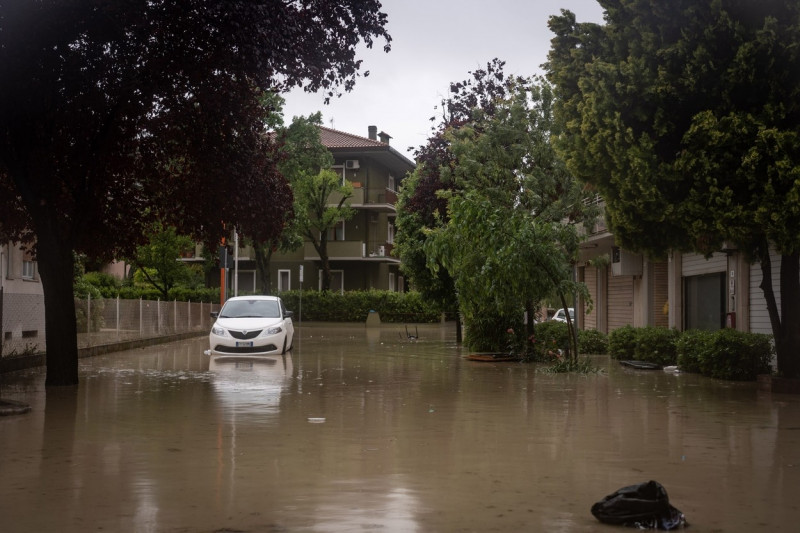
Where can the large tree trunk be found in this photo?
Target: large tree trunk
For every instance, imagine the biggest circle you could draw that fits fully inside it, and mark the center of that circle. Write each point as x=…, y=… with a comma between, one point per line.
x=56, y=264
x=263, y=254
x=784, y=320
x=787, y=338
x=325, y=264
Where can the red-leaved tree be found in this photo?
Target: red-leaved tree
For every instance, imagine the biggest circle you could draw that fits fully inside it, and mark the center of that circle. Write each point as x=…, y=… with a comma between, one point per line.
x=115, y=114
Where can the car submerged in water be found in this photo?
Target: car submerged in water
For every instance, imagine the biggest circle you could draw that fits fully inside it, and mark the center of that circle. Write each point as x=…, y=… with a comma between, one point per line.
x=251, y=325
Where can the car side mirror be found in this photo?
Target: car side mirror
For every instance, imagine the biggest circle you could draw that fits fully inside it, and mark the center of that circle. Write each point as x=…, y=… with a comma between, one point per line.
x=288, y=314
x=214, y=314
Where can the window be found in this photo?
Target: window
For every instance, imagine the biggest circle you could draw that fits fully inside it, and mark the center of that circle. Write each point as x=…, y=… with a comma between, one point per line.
x=284, y=280
x=28, y=269
x=391, y=282
x=705, y=301
x=390, y=236
x=390, y=185
x=337, y=281
x=336, y=233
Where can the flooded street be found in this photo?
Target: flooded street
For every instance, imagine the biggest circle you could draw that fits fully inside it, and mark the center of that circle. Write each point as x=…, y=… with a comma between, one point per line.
x=365, y=430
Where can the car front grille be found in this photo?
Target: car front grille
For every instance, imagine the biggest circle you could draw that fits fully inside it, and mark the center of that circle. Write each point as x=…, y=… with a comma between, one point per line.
x=245, y=335
x=245, y=350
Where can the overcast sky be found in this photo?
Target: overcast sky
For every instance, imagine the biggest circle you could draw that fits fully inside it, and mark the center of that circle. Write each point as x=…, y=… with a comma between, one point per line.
x=435, y=42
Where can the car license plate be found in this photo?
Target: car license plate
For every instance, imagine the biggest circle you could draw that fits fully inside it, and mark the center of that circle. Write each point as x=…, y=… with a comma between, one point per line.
x=244, y=344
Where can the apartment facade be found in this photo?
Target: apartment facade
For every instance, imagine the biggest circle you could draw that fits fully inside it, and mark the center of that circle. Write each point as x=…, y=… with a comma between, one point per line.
x=683, y=291
x=359, y=249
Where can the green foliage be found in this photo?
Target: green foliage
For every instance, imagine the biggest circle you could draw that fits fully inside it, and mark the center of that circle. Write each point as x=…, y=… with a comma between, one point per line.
x=723, y=354
x=656, y=345
x=495, y=333
x=355, y=306
x=548, y=338
x=592, y=341
x=157, y=261
x=622, y=343
x=690, y=347
x=581, y=365
x=726, y=354
x=99, y=286
x=506, y=242
x=687, y=121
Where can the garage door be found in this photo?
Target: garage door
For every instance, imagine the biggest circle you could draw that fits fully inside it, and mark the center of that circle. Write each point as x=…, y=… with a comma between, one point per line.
x=620, y=301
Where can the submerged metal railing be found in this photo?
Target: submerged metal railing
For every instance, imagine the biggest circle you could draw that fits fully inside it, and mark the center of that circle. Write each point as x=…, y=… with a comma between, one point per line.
x=100, y=321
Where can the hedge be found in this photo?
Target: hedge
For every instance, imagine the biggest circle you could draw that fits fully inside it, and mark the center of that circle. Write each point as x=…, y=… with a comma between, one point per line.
x=723, y=354
x=355, y=306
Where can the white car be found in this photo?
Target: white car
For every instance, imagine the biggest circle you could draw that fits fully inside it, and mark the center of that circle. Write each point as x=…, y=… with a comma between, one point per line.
x=252, y=325
x=561, y=315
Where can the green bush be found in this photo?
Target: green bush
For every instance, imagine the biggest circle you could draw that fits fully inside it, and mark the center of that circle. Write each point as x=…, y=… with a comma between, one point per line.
x=355, y=306
x=495, y=333
x=736, y=355
x=591, y=341
x=97, y=285
x=548, y=338
x=656, y=345
x=622, y=343
x=690, y=347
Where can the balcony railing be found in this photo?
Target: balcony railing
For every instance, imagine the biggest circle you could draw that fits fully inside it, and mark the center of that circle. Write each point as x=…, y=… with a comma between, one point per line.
x=350, y=250
x=366, y=197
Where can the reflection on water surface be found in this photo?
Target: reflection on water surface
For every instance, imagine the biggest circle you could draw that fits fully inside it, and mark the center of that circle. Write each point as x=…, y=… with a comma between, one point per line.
x=366, y=429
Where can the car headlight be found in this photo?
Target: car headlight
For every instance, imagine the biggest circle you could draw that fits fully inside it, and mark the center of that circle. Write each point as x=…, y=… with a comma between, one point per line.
x=274, y=330
x=216, y=330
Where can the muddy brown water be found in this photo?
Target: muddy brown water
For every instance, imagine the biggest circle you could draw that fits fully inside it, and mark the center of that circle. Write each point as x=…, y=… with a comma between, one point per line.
x=365, y=430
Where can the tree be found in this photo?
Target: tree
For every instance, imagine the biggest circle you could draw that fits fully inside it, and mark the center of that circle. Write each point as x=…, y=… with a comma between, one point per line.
x=158, y=261
x=511, y=238
x=419, y=205
x=117, y=114
x=686, y=118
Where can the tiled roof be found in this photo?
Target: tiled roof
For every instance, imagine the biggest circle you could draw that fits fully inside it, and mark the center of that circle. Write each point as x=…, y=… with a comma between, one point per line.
x=339, y=139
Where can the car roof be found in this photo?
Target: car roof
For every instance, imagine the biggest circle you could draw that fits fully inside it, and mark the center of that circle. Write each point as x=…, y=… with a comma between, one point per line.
x=252, y=297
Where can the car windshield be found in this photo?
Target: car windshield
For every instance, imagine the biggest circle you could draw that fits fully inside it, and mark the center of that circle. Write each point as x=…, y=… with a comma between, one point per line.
x=251, y=309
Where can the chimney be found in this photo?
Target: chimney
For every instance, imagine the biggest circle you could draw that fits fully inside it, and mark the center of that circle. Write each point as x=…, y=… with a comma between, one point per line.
x=384, y=137
x=373, y=132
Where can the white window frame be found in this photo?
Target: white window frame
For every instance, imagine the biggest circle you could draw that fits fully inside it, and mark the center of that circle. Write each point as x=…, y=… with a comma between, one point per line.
x=288, y=274
x=392, y=287
x=390, y=233
x=390, y=185
x=332, y=235
x=28, y=269
x=334, y=273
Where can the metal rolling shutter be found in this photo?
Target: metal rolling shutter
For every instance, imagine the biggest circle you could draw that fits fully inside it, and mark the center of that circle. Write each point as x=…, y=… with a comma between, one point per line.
x=590, y=279
x=620, y=301
x=660, y=286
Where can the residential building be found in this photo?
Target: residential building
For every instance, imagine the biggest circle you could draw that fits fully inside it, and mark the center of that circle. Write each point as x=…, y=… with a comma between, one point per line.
x=683, y=291
x=21, y=300
x=360, y=248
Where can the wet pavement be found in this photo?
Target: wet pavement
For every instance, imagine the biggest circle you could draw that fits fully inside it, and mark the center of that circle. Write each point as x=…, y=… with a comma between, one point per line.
x=365, y=430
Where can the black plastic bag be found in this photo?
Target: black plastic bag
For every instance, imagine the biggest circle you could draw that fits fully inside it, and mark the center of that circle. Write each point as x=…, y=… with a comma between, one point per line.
x=644, y=506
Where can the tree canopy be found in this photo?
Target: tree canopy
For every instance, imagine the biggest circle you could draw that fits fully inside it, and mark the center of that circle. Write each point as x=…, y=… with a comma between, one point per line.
x=420, y=206
x=686, y=117
x=510, y=239
x=116, y=114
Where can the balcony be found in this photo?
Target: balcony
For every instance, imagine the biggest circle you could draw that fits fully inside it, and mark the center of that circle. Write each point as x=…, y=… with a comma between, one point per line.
x=375, y=199
x=352, y=251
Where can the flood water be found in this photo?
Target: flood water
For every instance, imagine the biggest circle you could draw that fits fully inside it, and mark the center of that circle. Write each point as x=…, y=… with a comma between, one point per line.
x=366, y=430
